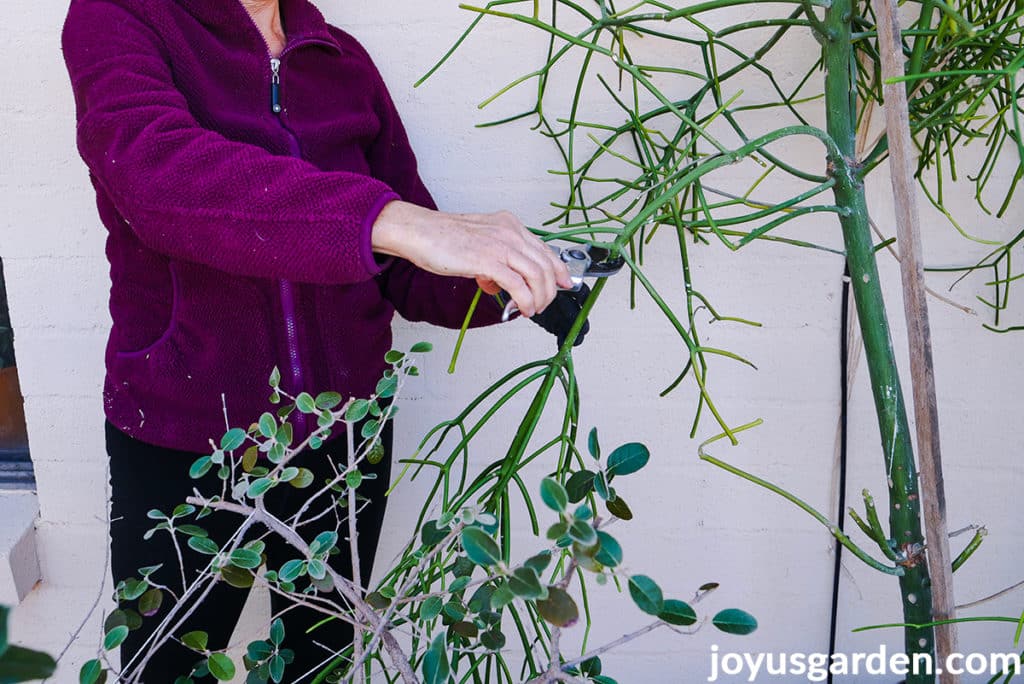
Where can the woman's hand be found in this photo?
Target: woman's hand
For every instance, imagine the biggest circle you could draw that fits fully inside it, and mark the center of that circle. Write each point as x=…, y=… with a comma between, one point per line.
x=496, y=249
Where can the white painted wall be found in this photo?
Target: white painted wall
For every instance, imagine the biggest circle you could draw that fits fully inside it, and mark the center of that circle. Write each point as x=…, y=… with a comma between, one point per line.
x=694, y=524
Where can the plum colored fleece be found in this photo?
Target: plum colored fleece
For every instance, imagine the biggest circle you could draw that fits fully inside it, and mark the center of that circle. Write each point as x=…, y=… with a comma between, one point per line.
x=239, y=239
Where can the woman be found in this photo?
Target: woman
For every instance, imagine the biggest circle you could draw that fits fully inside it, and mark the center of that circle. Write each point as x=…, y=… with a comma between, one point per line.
x=264, y=210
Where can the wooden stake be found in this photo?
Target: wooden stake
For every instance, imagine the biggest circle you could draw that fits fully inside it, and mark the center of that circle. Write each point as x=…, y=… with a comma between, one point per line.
x=915, y=303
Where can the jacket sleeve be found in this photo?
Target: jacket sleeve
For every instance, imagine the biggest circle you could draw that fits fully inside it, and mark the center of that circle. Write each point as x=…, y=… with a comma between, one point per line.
x=189, y=192
x=416, y=294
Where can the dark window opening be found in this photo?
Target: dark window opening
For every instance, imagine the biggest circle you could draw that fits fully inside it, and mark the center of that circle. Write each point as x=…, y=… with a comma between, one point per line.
x=15, y=466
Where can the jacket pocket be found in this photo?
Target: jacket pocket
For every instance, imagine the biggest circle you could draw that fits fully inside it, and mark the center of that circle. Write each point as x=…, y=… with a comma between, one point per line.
x=172, y=321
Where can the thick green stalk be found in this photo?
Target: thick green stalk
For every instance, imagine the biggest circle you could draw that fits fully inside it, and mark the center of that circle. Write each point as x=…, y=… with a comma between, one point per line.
x=904, y=498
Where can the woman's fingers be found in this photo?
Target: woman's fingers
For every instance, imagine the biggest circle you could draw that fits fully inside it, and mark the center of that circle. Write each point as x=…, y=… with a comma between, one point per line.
x=517, y=289
x=538, y=277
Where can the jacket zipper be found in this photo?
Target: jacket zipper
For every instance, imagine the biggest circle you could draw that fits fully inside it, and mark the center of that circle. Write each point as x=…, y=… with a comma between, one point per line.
x=286, y=289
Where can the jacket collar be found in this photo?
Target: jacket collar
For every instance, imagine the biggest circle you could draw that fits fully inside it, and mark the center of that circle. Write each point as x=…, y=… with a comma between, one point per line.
x=302, y=21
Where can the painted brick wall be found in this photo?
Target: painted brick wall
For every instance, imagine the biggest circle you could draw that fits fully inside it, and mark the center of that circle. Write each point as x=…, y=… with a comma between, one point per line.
x=694, y=524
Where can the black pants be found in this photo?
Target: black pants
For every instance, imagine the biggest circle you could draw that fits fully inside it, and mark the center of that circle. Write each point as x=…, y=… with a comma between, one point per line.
x=145, y=477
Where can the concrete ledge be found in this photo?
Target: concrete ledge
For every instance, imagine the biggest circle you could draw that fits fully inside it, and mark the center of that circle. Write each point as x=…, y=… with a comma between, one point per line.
x=19, y=562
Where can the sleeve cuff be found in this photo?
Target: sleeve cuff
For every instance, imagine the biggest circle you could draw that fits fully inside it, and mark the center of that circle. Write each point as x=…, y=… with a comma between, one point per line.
x=374, y=263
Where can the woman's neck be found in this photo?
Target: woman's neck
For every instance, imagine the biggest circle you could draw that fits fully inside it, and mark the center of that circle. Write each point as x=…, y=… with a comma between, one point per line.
x=267, y=16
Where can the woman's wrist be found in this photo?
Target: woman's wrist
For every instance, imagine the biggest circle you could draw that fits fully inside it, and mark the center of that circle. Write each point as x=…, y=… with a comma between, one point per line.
x=395, y=229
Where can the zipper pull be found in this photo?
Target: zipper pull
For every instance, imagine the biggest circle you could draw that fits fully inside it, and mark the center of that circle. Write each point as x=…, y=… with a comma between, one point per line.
x=275, y=85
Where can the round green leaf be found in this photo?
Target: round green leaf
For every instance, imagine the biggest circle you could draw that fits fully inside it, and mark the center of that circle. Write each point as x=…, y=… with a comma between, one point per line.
x=646, y=594
x=540, y=562
x=628, y=459
x=583, y=532
x=593, y=445
x=480, y=547
x=237, y=577
x=305, y=403
x=554, y=495
x=203, y=545
x=465, y=629
x=369, y=428
x=250, y=458
x=316, y=569
x=291, y=570
x=327, y=400
x=591, y=667
x=197, y=640
x=115, y=619
x=579, y=485
x=421, y=348
x=436, y=669
x=259, y=487
x=303, y=479
x=259, y=650
x=277, y=668
x=376, y=453
x=134, y=588
x=431, y=534
x=386, y=387
x=357, y=410
x=735, y=621
x=90, y=672
x=676, y=612
x=115, y=637
x=245, y=558
x=557, y=530
x=325, y=541
x=149, y=604
x=221, y=667
x=268, y=425
x=277, y=632
x=132, y=620
x=502, y=596
x=431, y=608
x=558, y=608
x=200, y=467
x=619, y=509
x=525, y=584
x=353, y=479
x=610, y=552
x=232, y=439
x=182, y=510
x=493, y=640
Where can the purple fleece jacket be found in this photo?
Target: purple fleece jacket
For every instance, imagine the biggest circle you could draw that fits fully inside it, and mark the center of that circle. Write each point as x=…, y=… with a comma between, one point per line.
x=239, y=236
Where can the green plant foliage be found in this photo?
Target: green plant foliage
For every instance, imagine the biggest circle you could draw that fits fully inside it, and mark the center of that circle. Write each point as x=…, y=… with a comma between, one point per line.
x=480, y=547
x=677, y=612
x=554, y=495
x=458, y=587
x=221, y=667
x=628, y=459
x=646, y=594
x=735, y=621
x=18, y=664
x=436, y=669
x=558, y=608
x=92, y=672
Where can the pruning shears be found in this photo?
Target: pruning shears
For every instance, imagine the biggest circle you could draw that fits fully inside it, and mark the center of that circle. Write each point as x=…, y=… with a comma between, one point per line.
x=583, y=261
